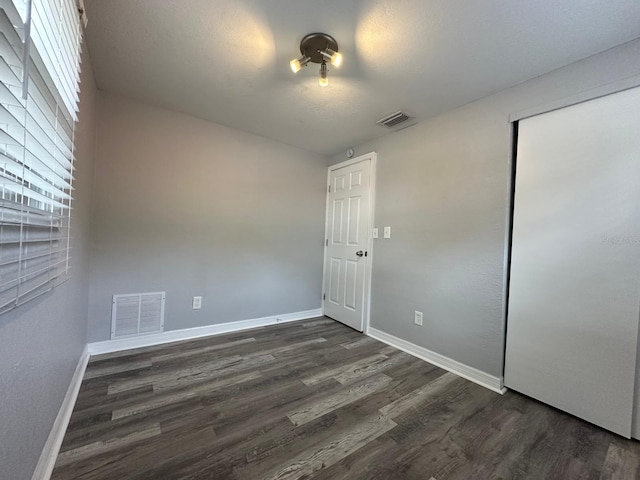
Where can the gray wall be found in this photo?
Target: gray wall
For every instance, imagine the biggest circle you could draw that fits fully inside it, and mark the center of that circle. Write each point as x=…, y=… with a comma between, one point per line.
x=42, y=341
x=194, y=208
x=443, y=187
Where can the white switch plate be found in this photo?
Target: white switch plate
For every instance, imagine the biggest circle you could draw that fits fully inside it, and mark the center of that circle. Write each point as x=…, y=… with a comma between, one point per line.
x=387, y=232
x=375, y=232
x=197, y=303
x=417, y=319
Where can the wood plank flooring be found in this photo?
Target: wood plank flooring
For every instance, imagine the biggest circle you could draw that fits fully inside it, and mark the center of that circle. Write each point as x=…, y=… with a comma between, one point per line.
x=315, y=399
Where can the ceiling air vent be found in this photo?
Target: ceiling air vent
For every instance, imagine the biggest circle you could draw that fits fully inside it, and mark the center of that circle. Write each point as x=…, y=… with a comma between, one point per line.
x=393, y=120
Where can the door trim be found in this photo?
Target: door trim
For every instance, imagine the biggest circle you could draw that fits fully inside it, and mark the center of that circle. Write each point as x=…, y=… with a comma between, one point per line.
x=590, y=94
x=366, y=304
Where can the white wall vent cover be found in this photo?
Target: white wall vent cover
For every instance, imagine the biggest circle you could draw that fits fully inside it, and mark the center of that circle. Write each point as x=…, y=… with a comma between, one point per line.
x=393, y=120
x=137, y=314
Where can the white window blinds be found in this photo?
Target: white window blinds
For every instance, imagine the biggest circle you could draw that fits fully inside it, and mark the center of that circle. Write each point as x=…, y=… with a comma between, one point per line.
x=37, y=117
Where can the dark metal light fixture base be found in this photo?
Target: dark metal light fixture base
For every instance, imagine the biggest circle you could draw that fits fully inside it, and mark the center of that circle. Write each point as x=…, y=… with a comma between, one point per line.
x=314, y=43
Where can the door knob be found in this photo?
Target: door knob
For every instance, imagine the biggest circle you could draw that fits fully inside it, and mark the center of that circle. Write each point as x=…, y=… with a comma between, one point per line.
x=359, y=253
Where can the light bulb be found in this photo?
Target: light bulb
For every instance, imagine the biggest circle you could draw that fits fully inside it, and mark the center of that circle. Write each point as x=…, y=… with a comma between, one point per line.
x=295, y=65
x=323, y=81
x=298, y=63
x=336, y=59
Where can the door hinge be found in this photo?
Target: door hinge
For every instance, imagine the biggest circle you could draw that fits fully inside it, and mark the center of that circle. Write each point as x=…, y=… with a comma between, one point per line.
x=326, y=242
x=324, y=296
x=329, y=188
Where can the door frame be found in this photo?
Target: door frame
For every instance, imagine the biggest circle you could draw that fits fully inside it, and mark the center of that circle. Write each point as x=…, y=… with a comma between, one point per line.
x=514, y=120
x=366, y=301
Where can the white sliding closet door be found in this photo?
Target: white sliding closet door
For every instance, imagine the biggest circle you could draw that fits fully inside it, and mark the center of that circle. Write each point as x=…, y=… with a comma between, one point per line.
x=574, y=302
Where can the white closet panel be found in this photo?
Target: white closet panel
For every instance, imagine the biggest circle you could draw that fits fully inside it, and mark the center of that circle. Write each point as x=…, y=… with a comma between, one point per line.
x=574, y=302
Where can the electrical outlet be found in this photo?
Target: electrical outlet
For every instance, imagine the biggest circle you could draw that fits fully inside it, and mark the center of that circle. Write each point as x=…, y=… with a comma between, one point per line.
x=387, y=232
x=197, y=303
x=375, y=232
x=417, y=319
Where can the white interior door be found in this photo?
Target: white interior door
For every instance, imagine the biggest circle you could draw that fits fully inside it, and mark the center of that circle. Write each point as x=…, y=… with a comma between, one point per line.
x=347, y=242
x=575, y=272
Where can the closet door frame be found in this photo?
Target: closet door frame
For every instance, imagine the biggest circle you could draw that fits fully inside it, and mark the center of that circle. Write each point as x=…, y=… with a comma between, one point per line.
x=592, y=94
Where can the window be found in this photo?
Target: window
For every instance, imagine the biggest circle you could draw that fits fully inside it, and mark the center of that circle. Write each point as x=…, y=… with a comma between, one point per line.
x=39, y=85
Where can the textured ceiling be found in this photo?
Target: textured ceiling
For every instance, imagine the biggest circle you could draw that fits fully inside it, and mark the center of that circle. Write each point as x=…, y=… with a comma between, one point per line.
x=227, y=61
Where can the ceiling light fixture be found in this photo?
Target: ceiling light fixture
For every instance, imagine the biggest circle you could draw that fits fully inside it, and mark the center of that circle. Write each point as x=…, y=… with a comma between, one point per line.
x=318, y=48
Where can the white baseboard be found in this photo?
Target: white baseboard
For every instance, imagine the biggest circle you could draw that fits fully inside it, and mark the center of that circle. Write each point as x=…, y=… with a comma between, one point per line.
x=110, y=346
x=52, y=446
x=491, y=382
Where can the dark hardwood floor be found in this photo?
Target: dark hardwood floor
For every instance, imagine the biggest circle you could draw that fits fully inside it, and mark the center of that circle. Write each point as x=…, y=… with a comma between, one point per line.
x=315, y=399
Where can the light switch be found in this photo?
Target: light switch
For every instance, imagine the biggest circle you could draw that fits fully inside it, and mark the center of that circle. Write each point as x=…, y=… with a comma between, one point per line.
x=375, y=232
x=387, y=232
x=197, y=303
